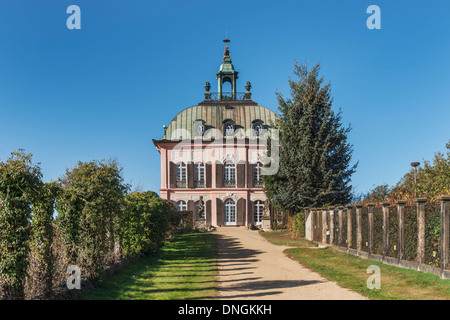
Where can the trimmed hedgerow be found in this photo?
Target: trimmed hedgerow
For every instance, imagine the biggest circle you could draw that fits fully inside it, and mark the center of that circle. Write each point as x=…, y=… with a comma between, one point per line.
x=145, y=223
x=19, y=182
x=41, y=280
x=96, y=225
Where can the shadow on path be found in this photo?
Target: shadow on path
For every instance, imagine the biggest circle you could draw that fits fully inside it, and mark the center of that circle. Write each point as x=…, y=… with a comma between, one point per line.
x=236, y=264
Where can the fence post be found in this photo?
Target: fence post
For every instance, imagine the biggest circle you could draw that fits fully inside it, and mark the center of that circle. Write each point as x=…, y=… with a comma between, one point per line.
x=401, y=228
x=358, y=227
x=370, y=220
x=420, y=229
x=308, y=224
x=341, y=224
x=324, y=225
x=445, y=204
x=331, y=211
x=349, y=226
x=385, y=228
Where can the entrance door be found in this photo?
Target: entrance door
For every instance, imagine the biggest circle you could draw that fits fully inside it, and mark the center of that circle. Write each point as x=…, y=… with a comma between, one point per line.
x=230, y=212
x=258, y=212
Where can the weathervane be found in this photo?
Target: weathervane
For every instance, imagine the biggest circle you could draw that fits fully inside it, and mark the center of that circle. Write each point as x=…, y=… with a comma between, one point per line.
x=226, y=41
x=226, y=37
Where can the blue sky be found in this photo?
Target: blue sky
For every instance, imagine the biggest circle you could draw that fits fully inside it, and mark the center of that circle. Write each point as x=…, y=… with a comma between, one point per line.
x=105, y=91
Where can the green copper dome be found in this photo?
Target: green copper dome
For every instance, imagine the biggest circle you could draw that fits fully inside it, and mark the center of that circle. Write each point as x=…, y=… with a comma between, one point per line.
x=229, y=113
x=242, y=116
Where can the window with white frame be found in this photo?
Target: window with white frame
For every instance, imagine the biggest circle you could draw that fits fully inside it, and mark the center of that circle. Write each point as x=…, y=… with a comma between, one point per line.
x=257, y=177
x=199, y=174
x=229, y=174
x=258, y=211
x=181, y=205
x=181, y=174
x=230, y=212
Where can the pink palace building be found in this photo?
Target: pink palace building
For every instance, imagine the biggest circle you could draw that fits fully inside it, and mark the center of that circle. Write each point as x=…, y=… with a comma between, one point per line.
x=211, y=153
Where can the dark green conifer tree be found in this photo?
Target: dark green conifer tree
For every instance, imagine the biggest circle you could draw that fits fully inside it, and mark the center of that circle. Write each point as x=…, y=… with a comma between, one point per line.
x=314, y=164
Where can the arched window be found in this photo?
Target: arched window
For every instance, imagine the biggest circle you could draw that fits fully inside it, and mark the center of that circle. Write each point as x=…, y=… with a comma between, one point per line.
x=181, y=205
x=181, y=175
x=257, y=177
x=230, y=212
x=229, y=177
x=199, y=175
x=258, y=211
x=227, y=86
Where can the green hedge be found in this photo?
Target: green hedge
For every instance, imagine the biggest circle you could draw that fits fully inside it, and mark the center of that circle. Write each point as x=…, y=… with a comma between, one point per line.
x=20, y=181
x=144, y=224
x=97, y=224
x=299, y=224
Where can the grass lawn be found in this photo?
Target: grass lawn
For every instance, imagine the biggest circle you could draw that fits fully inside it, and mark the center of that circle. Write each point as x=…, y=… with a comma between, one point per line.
x=184, y=269
x=285, y=238
x=351, y=272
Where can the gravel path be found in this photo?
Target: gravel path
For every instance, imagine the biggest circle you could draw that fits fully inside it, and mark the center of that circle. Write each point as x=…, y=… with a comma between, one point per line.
x=250, y=267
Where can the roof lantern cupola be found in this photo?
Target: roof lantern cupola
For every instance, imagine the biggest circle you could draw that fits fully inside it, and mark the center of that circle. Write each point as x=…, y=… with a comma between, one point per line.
x=225, y=74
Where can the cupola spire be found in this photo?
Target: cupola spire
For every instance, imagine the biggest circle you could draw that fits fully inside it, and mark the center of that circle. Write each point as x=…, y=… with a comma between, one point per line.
x=226, y=73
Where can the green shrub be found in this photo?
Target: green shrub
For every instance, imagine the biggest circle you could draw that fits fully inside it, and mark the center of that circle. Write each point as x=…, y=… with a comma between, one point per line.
x=19, y=181
x=42, y=240
x=90, y=214
x=299, y=224
x=145, y=223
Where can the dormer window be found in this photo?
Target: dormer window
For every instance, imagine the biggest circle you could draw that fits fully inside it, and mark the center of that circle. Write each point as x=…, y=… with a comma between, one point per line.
x=199, y=128
x=258, y=128
x=228, y=128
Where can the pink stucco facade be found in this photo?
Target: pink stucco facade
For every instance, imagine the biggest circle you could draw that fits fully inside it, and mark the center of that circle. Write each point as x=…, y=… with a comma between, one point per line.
x=212, y=151
x=214, y=193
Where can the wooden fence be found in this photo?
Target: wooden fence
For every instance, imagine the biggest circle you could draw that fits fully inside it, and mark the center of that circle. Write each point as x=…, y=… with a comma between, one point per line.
x=414, y=237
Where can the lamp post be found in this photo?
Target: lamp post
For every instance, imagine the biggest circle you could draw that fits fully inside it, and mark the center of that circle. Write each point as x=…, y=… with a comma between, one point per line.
x=415, y=165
